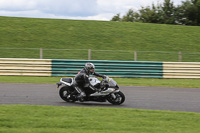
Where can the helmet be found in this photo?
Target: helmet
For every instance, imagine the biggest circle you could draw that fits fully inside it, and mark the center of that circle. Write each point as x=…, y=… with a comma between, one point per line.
x=89, y=67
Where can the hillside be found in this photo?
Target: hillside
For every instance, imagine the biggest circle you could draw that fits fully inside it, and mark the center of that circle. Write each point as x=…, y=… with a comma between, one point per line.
x=96, y=35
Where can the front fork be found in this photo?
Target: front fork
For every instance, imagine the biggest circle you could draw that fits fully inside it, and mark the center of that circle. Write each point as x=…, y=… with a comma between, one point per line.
x=113, y=94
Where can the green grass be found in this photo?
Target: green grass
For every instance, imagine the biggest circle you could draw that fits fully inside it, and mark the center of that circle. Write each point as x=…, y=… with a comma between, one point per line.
x=97, y=35
x=187, y=83
x=49, y=119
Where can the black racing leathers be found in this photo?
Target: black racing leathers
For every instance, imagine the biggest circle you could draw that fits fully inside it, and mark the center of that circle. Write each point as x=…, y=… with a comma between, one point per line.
x=81, y=80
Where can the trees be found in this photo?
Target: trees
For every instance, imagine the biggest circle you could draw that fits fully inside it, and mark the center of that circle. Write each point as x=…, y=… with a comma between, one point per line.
x=151, y=14
x=116, y=17
x=131, y=16
x=188, y=13
x=168, y=9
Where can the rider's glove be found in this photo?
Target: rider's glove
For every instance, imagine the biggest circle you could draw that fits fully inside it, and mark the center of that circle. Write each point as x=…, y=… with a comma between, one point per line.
x=104, y=76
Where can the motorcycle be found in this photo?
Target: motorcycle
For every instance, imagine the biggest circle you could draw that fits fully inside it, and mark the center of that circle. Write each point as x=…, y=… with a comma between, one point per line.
x=108, y=90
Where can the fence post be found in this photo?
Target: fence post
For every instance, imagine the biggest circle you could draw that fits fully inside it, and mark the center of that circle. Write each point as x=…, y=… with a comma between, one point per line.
x=179, y=56
x=89, y=54
x=41, y=53
x=135, y=55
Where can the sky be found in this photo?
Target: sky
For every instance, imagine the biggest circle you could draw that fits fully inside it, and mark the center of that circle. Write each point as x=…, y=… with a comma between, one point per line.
x=72, y=9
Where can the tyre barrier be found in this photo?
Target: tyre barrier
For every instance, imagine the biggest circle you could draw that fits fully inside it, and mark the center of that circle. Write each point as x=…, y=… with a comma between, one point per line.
x=25, y=67
x=69, y=68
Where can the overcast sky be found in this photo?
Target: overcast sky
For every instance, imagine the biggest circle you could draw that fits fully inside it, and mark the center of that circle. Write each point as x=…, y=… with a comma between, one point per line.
x=72, y=9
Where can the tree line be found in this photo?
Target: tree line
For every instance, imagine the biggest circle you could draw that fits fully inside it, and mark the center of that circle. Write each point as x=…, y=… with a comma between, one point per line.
x=187, y=13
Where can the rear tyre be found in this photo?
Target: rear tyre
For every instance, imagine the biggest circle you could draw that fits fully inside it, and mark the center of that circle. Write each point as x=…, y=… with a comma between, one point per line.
x=65, y=94
x=116, y=98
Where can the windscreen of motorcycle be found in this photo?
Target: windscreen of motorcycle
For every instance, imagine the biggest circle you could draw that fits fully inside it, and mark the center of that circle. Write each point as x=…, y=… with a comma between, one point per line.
x=94, y=81
x=112, y=83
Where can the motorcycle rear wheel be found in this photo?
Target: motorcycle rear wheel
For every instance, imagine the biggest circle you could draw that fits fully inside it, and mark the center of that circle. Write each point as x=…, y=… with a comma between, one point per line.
x=118, y=99
x=64, y=93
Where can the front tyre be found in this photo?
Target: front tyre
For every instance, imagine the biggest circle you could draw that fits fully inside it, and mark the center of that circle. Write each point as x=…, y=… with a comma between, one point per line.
x=116, y=98
x=65, y=94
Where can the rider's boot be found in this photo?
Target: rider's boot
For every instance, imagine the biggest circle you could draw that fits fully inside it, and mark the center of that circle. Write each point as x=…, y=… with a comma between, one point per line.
x=81, y=94
x=81, y=97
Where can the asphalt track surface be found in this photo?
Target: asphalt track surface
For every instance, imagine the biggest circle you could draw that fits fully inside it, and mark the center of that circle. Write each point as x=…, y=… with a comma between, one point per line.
x=154, y=98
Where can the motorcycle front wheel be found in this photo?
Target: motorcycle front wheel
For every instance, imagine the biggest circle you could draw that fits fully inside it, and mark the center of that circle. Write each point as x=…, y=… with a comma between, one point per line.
x=116, y=98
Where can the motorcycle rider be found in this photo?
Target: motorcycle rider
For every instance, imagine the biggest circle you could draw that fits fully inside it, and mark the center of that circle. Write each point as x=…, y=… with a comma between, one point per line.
x=81, y=80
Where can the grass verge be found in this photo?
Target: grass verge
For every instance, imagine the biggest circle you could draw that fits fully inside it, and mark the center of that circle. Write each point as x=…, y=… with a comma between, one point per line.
x=43, y=119
x=186, y=83
x=97, y=35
